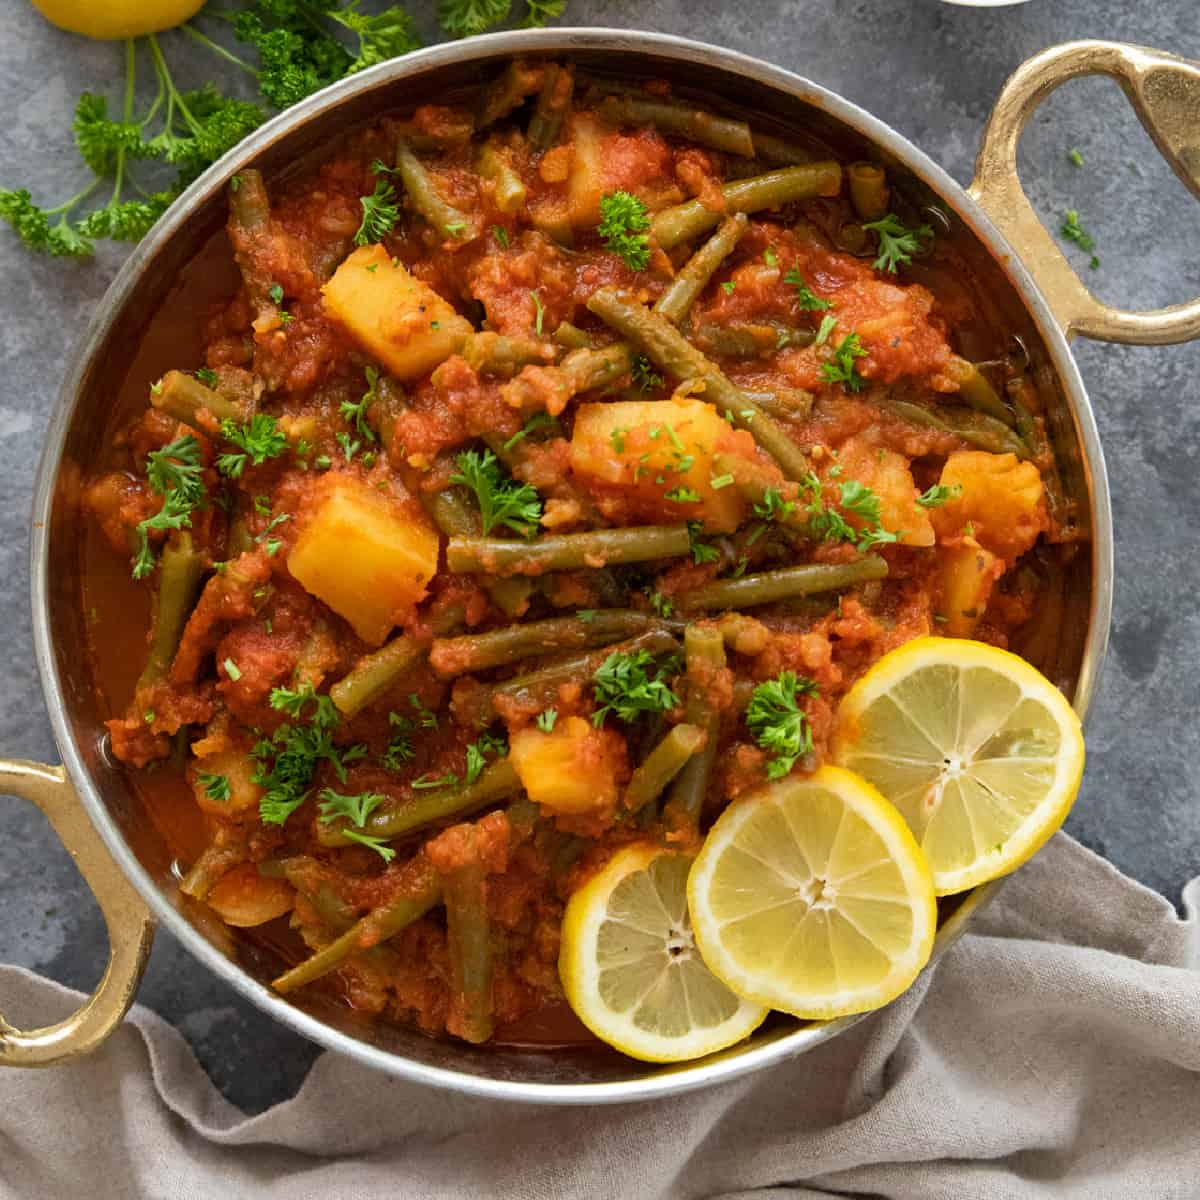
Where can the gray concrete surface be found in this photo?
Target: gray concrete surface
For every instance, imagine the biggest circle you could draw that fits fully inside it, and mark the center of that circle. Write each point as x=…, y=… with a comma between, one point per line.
x=933, y=71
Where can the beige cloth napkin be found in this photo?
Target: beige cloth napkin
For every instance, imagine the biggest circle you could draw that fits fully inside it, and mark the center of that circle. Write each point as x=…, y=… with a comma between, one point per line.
x=1054, y=1052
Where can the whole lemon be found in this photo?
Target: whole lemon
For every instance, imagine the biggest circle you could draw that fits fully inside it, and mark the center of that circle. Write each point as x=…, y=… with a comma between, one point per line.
x=109, y=20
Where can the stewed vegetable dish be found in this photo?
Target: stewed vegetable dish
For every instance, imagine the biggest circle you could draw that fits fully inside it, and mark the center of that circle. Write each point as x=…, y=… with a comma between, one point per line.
x=559, y=462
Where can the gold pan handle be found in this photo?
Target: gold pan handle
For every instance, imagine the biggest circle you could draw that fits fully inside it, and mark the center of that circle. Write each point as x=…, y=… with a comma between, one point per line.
x=1165, y=92
x=130, y=926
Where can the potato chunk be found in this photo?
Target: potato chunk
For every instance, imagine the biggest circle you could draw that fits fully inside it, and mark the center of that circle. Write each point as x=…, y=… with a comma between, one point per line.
x=999, y=499
x=395, y=317
x=886, y=473
x=245, y=898
x=570, y=770
x=657, y=455
x=968, y=573
x=227, y=789
x=585, y=183
x=365, y=557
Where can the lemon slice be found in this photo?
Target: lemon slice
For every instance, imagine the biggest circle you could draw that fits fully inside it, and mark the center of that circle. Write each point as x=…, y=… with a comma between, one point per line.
x=809, y=895
x=110, y=19
x=631, y=971
x=979, y=751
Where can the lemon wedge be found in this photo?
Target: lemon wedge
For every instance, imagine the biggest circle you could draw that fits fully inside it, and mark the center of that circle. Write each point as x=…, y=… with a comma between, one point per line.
x=979, y=751
x=810, y=896
x=631, y=971
x=106, y=20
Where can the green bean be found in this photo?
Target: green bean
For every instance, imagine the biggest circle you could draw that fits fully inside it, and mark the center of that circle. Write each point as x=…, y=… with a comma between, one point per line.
x=184, y=397
x=239, y=540
x=553, y=104
x=779, y=584
x=680, y=120
x=453, y=511
x=976, y=391
x=482, y=651
x=704, y=648
x=390, y=405
x=508, y=188
x=693, y=278
x=227, y=850
x=497, y=781
x=867, y=183
x=511, y=595
x=779, y=151
x=469, y=944
x=663, y=763
x=508, y=90
x=670, y=350
x=975, y=428
x=744, y=339
x=571, y=337
x=423, y=892
x=449, y=221
x=178, y=582
x=567, y=551
x=303, y=873
x=540, y=688
x=773, y=190
x=784, y=404
x=249, y=204
x=495, y=354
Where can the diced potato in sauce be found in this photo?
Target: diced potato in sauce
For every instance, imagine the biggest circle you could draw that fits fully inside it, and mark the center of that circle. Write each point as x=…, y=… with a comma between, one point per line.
x=569, y=770
x=968, y=573
x=998, y=499
x=658, y=450
x=364, y=557
x=245, y=898
x=886, y=473
x=394, y=316
x=585, y=184
x=237, y=770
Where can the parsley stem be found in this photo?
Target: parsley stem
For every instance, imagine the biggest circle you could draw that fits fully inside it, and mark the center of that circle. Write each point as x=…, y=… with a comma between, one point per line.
x=79, y=196
x=191, y=31
x=174, y=99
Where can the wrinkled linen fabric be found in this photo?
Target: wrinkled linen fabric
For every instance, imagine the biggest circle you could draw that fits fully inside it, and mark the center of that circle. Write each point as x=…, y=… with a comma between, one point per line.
x=1053, y=1052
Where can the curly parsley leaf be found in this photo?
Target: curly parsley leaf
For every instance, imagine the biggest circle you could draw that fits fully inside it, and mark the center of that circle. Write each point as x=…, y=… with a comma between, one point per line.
x=355, y=412
x=216, y=787
x=897, y=243
x=644, y=377
x=380, y=211
x=630, y=684
x=259, y=439
x=779, y=726
x=372, y=842
x=809, y=300
x=177, y=474
x=478, y=751
x=546, y=720
x=388, y=34
x=501, y=501
x=624, y=221
x=840, y=368
x=355, y=809
x=938, y=494
x=827, y=524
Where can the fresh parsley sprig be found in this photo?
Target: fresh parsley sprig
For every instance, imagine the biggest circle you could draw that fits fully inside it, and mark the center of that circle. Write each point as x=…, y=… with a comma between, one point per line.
x=897, y=243
x=808, y=299
x=841, y=369
x=630, y=684
x=380, y=212
x=624, y=221
x=775, y=719
x=177, y=474
x=259, y=439
x=501, y=501
x=354, y=412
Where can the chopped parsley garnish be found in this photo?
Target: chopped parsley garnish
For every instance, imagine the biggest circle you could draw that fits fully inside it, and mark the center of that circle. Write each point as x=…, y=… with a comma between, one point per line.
x=841, y=369
x=501, y=236
x=624, y=221
x=661, y=604
x=372, y=842
x=702, y=552
x=426, y=718
x=897, y=243
x=206, y=375
x=1075, y=157
x=275, y=291
x=355, y=413
x=539, y=311
x=545, y=720
x=938, y=494
x=644, y=377
x=826, y=328
x=682, y=495
x=478, y=751
x=539, y=420
x=777, y=723
x=380, y=214
x=771, y=258
x=729, y=287
x=216, y=787
x=399, y=748
x=628, y=685
x=175, y=472
x=501, y=501
x=349, y=445
x=828, y=525
x=617, y=437
x=717, y=482
x=773, y=507
x=259, y=439
x=809, y=300
x=1074, y=232
x=355, y=809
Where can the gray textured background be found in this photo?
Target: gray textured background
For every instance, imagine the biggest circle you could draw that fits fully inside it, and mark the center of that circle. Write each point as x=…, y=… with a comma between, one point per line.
x=930, y=69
